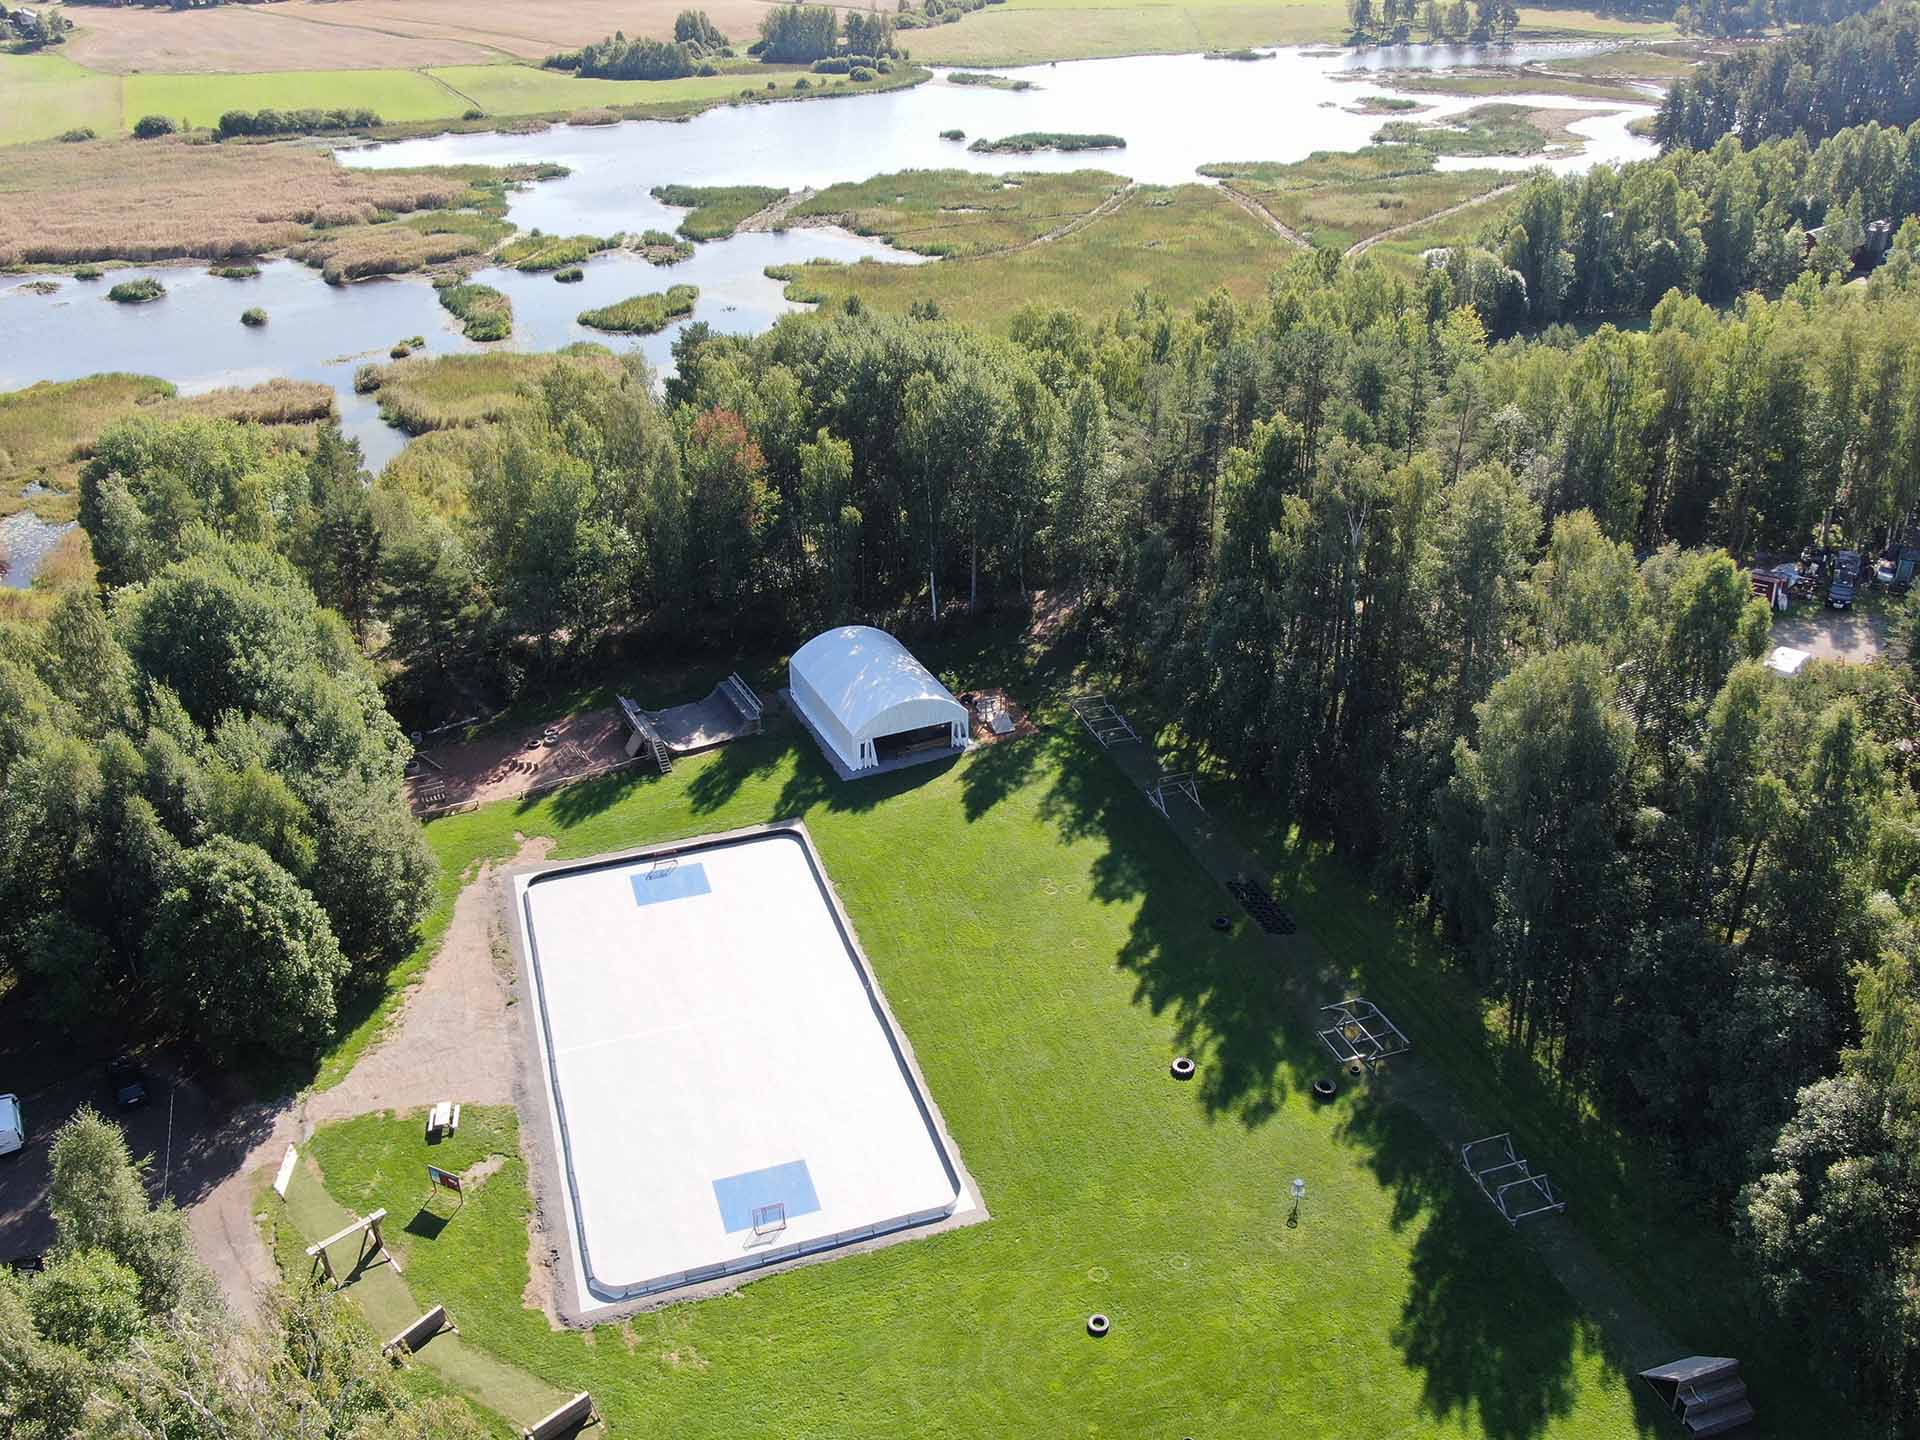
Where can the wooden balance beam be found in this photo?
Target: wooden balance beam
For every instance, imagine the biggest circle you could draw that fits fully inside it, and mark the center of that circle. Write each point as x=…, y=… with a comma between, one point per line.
x=575, y=1413
x=367, y=1229
x=420, y=1331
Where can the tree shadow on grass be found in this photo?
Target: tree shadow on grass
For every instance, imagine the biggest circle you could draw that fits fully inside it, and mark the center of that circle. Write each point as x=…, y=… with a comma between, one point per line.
x=1229, y=995
x=996, y=771
x=1492, y=1332
x=580, y=801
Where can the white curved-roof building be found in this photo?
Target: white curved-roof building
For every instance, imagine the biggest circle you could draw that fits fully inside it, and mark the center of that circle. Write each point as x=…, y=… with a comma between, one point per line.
x=868, y=701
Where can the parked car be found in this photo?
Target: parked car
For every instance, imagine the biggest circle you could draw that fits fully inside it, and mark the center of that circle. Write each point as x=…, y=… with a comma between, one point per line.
x=13, y=1125
x=1846, y=573
x=128, y=1083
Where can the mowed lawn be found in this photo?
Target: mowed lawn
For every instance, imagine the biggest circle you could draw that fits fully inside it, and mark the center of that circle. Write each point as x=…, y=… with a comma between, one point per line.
x=45, y=95
x=1032, y=920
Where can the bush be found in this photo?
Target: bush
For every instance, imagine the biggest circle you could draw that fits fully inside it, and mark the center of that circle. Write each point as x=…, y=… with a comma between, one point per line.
x=572, y=275
x=253, y=317
x=860, y=75
x=885, y=67
x=152, y=127
x=643, y=314
x=75, y=136
x=802, y=84
x=136, y=292
x=832, y=65
x=953, y=134
x=366, y=379
x=293, y=122
x=484, y=313
x=474, y=114
x=707, y=70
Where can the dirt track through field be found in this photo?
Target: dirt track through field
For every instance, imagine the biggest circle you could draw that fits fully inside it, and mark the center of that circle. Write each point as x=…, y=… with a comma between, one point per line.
x=1266, y=217
x=1362, y=246
x=452, y=1040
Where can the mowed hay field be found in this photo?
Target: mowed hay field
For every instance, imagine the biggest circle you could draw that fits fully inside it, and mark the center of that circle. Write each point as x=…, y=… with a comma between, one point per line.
x=1181, y=244
x=373, y=34
x=525, y=90
x=45, y=95
x=1047, y=960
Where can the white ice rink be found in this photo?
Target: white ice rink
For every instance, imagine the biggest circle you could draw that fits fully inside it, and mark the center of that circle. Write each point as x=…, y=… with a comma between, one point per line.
x=713, y=1050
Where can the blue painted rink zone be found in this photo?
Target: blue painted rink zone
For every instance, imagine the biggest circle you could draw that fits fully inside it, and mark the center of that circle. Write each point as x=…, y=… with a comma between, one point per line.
x=787, y=1185
x=675, y=882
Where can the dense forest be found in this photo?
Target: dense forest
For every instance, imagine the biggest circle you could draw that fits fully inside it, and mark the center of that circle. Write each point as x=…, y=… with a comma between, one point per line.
x=1726, y=17
x=202, y=786
x=1714, y=223
x=1814, y=82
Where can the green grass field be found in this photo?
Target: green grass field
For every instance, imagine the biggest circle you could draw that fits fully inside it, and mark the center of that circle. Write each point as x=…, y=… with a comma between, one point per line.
x=405, y=96
x=1034, y=969
x=1045, y=970
x=45, y=95
x=1030, y=31
x=1180, y=244
x=393, y=95
x=525, y=90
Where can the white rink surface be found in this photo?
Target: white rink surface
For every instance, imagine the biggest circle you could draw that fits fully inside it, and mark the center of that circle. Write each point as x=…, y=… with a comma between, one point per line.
x=714, y=1035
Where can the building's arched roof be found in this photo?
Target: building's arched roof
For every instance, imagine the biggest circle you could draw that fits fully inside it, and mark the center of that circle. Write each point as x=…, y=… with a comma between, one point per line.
x=872, y=684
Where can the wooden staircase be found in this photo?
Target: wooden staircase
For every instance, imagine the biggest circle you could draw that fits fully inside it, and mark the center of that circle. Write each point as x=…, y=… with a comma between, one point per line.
x=1706, y=1392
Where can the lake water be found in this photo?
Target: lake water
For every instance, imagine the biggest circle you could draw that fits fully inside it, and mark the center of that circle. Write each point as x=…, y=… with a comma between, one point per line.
x=1175, y=112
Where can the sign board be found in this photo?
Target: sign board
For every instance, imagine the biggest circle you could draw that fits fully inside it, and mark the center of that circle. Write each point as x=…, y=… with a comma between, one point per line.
x=445, y=1179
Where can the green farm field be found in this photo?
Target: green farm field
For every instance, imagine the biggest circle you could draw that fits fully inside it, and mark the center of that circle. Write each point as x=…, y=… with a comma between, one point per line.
x=1034, y=31
x=1046, y=970
x=45, y=95
x=405, y=96
x=200, y=100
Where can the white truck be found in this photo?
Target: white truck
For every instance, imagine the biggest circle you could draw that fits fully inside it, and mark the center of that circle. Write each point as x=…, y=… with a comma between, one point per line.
x=13, y=1125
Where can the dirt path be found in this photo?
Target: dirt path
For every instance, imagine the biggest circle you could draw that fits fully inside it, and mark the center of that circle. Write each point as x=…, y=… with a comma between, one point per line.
x=775, y=215
x=1079, y=222
x=1266, y=217
x=452, y=1040
x=1361, y=247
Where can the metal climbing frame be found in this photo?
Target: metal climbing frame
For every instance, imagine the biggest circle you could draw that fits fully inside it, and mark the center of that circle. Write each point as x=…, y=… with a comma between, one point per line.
x=1507, y=1180
x=1104, y=720
x=1172, y=787
x=1361, y=1032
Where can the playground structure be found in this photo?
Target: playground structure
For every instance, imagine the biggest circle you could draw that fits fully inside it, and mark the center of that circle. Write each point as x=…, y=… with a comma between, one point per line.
x=1705, y=1391
x=1105, y=722
x=1505, y=1178
x=730, y=711
x=368, y=1229
x=1361, y=1033
x=1170, y=789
